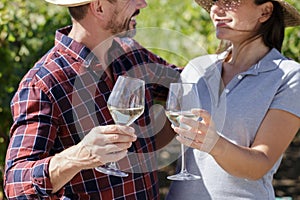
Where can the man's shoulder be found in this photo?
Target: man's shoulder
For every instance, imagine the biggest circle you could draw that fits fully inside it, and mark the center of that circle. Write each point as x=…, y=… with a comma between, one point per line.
x=129, y=48
x=53, y=68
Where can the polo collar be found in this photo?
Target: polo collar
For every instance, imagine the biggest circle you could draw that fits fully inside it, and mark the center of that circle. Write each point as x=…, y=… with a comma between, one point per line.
x=213, y=73
x=269, y=62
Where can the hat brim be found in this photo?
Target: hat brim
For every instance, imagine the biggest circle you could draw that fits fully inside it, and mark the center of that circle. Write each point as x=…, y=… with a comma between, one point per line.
x=291, y=14
x=69, y=3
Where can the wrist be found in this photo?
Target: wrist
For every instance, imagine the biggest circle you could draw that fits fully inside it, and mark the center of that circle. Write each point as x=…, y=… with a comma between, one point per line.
x=61, y=171
x=220, y=147
x=66, y=164
x=79, y=157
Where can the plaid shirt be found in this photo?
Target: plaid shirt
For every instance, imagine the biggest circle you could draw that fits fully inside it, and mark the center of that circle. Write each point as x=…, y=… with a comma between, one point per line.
x=60, y=100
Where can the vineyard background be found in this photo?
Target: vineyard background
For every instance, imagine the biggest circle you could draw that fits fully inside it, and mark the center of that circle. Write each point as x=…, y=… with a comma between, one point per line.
x=27, y=31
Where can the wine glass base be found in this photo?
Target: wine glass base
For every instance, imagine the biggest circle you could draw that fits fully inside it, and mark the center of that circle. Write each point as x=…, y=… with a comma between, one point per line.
x=184, y=176
x=111, y=171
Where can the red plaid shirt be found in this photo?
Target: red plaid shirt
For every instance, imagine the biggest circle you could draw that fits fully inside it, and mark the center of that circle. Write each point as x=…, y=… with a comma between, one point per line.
x=60, y=100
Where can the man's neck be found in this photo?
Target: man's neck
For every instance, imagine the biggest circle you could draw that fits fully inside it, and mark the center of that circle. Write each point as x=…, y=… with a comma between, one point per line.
x=96, y=40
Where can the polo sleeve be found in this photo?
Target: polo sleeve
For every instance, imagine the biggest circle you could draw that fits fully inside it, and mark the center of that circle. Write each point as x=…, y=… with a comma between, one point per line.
x=31, y=138
x=287, y=97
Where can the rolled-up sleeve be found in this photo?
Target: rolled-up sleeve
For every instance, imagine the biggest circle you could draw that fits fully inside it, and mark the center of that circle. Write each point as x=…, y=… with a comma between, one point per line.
x=31, y=139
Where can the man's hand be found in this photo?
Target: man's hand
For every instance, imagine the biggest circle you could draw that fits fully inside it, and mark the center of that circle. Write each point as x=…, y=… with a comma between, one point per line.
x=101, y=145
x=107, y=143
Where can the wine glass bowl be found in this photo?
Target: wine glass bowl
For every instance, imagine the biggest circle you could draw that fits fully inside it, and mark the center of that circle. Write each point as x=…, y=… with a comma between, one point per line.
x=182, y=98
x=126, y=104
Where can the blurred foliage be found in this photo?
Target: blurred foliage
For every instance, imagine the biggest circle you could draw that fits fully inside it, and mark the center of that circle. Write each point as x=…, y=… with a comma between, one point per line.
x=27, y=32
x=291, y=44
x=185, y=17
x=28, y=28
x=188, y=18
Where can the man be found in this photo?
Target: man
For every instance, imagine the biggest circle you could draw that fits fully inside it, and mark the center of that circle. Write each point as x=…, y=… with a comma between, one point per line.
x=62, y=128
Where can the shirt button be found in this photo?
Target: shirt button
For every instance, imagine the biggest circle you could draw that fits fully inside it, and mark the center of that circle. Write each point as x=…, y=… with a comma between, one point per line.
x=227, y=91
x=240, y=77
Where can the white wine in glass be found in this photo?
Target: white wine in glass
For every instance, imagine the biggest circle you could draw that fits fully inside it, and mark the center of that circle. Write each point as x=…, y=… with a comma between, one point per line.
x=182, y=98
x=126, y=104
x=125, y=116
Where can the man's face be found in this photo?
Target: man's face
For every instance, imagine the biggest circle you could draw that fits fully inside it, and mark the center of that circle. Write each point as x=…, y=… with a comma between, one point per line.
x=123, y=14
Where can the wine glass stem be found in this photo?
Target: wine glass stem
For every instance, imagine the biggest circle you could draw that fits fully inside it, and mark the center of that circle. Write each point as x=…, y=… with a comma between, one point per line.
x=183, y=166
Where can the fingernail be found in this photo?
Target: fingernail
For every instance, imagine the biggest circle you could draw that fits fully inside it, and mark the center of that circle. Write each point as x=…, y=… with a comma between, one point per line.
x=132, y=130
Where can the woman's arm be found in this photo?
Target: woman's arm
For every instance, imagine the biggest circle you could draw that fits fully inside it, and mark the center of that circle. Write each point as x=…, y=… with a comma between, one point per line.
x=273, y=137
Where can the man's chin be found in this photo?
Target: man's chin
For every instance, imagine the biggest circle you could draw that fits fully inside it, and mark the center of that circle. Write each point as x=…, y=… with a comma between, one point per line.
x=129, y=33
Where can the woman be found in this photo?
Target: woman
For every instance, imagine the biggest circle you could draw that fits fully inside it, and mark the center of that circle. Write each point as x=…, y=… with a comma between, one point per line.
x=250, y=96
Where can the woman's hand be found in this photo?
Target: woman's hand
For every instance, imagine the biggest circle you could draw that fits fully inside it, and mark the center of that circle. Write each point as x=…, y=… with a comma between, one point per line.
x=250, y=162
x=201, y=134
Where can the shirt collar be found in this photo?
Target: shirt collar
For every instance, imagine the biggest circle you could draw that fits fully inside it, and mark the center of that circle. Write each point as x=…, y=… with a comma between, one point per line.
x=66, y=44
x=269, y=62
x=79, y=51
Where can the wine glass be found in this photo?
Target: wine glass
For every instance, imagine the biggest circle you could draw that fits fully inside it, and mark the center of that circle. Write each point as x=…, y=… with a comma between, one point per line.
x=182, y=98
x=126, y=104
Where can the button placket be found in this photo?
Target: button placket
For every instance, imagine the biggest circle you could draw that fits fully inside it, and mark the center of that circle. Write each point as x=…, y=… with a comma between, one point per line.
x=233, y=83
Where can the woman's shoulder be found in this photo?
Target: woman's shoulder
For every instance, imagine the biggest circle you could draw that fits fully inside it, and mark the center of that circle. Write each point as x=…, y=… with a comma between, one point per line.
x=283, y=62
x=204, y=60
x=198, y=66
x=290, y=64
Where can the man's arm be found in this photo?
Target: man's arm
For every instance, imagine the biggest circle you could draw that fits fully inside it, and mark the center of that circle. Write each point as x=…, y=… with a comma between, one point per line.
x=31, y=170
x=102, y=145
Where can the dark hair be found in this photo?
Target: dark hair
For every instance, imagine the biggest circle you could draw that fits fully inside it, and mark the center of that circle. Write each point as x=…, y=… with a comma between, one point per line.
x=272, y=31
x=78, y=12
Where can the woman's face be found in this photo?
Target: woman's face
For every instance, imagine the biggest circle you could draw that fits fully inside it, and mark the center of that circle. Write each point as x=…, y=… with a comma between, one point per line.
x=236, y=20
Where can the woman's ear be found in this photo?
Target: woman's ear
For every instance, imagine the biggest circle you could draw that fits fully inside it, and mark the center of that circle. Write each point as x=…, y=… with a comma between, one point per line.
x=267, y=10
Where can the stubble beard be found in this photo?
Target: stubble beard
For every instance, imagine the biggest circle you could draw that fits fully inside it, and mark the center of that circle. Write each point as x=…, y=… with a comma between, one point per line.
x=120, y=29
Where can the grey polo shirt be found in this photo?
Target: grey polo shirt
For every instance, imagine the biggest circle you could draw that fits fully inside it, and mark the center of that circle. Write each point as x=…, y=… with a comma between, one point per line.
x=238, y=110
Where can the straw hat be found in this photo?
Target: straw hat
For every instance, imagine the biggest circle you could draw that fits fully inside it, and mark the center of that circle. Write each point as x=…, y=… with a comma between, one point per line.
x=69, y=3
x=291, y=15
